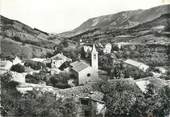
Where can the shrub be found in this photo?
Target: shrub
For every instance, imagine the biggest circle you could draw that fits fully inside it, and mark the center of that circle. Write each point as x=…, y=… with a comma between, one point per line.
x=32, y=79
x=18, y=68
x=33, y=103
x=49, y=54
x=16, y=38
x=34, y=65
x=65, y=43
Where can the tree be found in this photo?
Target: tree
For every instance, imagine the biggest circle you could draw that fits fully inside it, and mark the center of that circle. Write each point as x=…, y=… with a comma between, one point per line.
x=83, y=53
x=65, y=43
x=49, y=55
x=60, y=80
x=165, y=95
x=18, y=68
x=9, y=94
x=16, y=38
x=32, y=79
x=120, y=98
x=35, y=65
x=34, y=103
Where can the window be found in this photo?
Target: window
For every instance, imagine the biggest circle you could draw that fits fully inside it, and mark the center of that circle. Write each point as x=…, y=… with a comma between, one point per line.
x=88, y=75
x=84, y=101
x=94, y=56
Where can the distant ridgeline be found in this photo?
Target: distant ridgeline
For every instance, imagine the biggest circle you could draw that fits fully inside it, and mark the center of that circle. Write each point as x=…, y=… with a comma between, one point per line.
x=148, y=31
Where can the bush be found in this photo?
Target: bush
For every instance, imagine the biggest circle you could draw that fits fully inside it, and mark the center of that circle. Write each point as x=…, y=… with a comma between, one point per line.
x=16, y=38
x=33, y=103
x=123, y=99
x=60, y=80
x=62, y=85
x=18, y=68
x=9, y=95
x=49, y=55
x=65, y=43
x=34, y=65
x=32, y=79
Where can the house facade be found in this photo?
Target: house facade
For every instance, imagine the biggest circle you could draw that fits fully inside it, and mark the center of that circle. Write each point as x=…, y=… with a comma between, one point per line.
x=5, y=66
x=90, y=105
x=82, y=72
x=88, y=102
x=58, y=60
x=108, y=48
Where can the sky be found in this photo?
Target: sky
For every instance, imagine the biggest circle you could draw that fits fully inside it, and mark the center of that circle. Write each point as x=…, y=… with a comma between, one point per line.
x=56, y=16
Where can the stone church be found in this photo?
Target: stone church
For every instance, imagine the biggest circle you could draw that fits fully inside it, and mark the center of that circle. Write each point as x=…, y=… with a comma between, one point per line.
x=83, y=71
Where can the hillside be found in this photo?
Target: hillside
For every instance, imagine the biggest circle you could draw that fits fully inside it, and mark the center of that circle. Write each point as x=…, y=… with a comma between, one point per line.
x=150, y=25
x=22, y=40
x=146, y=31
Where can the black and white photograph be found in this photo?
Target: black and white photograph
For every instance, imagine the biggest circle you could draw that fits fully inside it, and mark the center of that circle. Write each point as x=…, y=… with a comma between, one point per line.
x=84, y=58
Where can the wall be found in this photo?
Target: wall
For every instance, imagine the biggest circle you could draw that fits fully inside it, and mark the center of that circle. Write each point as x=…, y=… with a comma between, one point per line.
x=83, y=78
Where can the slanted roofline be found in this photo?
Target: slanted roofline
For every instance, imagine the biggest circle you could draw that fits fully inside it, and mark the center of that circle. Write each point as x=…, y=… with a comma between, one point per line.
x=79, y=66
x=94, y=48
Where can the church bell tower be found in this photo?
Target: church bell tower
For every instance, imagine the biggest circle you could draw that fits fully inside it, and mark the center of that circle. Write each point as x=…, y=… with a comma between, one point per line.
x=94, y=58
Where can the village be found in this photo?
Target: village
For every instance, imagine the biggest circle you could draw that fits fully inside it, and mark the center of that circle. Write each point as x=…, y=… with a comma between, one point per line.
x=95, y=58
x=65, y=78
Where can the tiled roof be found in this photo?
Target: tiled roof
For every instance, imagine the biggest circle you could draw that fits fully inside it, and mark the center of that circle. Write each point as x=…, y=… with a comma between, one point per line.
x=60, y=57
x=86, y=91
x=79, y=66
x=80, y=91
x=136, y=64
x=96, y=96
x=38, y=59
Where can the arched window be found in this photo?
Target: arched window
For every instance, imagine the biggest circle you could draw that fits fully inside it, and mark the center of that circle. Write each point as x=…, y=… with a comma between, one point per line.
x=94, y=56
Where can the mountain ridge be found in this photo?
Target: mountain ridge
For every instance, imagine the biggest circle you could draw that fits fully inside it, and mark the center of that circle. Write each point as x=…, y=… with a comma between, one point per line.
x=124, y=19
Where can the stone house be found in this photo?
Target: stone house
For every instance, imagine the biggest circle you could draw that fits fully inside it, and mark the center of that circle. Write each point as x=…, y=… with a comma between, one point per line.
x=92, y=105
x=17, y=60
x=108, y=48
x=137, y=64
x=58, y=60
x=88, y=102
x=5, y=66
x=83, y=72
x=18, y=77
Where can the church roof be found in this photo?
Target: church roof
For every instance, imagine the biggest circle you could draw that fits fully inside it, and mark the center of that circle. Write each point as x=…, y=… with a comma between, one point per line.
x=79, y=66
